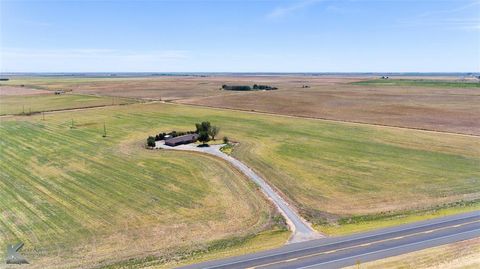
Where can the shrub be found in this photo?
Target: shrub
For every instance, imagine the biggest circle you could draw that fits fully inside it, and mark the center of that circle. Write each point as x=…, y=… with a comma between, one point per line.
x=151, y=141
x=225, y=140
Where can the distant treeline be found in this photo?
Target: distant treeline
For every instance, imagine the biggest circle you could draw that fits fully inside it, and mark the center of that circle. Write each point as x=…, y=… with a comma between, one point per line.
x=247, y=88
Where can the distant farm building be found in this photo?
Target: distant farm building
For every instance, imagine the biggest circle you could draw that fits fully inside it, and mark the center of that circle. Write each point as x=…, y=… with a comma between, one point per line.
x=59, y=92
x=180, y=140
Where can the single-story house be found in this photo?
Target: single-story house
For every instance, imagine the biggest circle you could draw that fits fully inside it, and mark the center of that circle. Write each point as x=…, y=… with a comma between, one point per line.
x=183, y=139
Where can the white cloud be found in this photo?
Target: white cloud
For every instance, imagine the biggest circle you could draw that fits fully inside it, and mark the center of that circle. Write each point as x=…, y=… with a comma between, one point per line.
x=97, y=60
x=451, y=11
x=459, y=18
x=102, y=53
x=282, y=11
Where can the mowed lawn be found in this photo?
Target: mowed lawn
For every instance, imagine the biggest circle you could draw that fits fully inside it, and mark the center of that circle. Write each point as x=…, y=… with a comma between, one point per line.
x=77, y=199
x=26, y=104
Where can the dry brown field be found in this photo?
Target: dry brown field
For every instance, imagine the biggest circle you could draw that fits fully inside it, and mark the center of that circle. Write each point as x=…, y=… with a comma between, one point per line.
x=15, y=90
x=168, y=87
x=438, y=109
x=445, y=109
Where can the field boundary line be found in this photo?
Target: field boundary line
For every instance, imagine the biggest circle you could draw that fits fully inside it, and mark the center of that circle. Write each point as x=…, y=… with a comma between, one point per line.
x=175, y=102
x=323, y=119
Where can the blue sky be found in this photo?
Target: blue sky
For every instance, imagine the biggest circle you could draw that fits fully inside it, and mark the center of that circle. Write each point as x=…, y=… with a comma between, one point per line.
x=240, y=36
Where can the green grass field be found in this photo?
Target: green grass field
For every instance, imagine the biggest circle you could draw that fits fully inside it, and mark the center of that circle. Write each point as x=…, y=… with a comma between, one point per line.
x=27, y=104
x=419, y=82
x=78, y=199
x=69, y=184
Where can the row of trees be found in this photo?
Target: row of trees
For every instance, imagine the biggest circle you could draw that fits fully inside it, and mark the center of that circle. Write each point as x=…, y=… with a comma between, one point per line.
x=264, y=87
x=248, y=88
x=236, y=88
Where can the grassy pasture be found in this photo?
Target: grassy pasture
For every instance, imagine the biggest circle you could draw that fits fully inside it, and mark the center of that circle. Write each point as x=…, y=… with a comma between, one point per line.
x=77, y=199
x=75, y=178
x=420, y=82
x=26, y=104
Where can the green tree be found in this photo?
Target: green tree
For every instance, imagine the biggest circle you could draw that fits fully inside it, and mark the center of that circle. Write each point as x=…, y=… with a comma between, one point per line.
x=225, y=140
x=214, y=130
x=203, y=127
x=203, y=137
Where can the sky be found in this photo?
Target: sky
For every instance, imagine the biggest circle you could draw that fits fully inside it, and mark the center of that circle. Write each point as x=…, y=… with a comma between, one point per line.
x=240, y=36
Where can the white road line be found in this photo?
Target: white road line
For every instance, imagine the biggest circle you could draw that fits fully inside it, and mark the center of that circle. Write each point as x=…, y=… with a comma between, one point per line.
x=333, y=243
x=387, y=249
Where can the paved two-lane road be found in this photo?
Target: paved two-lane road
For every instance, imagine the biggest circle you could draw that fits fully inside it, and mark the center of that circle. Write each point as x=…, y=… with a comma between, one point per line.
x=347, y=250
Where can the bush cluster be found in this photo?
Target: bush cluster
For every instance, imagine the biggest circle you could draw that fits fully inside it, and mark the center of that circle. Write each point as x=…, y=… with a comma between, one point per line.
x=151, y=141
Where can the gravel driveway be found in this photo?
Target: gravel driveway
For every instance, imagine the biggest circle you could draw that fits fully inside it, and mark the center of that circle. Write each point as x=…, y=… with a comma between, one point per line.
x=301, y=229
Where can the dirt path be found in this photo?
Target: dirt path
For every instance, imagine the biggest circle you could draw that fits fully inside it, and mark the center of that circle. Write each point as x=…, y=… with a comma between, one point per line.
x=301, y=229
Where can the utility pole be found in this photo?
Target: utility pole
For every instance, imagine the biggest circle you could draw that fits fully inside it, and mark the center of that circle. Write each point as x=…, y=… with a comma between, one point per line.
x=104, y=130
x=43, y=115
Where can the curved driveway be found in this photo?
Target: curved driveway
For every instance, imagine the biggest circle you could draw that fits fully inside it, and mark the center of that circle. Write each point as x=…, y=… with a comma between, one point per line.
x=301, y=230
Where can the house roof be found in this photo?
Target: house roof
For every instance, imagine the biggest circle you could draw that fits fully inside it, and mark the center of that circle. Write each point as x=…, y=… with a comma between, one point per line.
x=182, y=139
